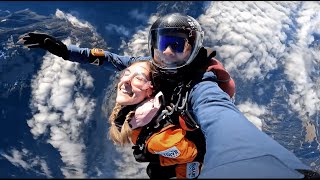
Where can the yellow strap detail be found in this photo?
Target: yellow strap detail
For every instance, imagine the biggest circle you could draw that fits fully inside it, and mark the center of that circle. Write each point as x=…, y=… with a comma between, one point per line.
x=97, y=52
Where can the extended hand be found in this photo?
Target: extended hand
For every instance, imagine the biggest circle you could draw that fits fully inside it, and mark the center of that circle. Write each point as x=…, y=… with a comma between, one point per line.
x=44, y=41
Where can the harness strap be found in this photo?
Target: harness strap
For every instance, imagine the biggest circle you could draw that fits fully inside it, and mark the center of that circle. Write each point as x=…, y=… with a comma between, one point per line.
x=212, y=54
x=180, y=108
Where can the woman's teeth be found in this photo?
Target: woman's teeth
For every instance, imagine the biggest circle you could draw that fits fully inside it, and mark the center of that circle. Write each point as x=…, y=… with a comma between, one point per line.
x=123, y=90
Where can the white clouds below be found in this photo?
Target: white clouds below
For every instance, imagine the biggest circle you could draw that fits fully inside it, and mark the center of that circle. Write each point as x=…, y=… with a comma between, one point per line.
x=138, y=45
x=73, y=20
x=253, y=112
x=302, y=61
x=121, y=30
x=249, y=34
x=252, y=39
x=22, y=159
x=135, y=14
x=61, y=110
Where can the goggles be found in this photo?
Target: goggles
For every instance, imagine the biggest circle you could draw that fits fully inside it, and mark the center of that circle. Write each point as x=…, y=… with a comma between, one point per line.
x=184, y=43
x=136, y=79
x=177, y=44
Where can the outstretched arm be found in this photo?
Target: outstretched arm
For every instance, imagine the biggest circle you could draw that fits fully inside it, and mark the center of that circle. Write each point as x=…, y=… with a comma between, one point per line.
x=73, y=53
x=100, y=57
x=235, y=148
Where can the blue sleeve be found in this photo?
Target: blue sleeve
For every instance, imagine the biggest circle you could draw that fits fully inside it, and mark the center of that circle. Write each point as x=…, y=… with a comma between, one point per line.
x=234, y=146
x=110, y=60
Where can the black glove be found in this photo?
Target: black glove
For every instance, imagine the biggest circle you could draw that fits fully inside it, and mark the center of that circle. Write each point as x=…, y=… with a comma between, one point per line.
x=44, y=41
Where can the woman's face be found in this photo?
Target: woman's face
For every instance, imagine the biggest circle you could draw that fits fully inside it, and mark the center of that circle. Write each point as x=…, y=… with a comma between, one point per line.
x=134, y=85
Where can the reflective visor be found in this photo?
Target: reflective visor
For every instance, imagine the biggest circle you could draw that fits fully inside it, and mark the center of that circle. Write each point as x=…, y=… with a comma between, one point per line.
x=182, y=43
x=176, y=43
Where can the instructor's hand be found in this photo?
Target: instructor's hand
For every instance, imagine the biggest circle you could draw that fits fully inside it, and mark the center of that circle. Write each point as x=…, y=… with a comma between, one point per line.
x=44, y=41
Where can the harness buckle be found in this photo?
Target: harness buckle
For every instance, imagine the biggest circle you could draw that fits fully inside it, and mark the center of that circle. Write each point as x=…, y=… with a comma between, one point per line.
x=186, y=121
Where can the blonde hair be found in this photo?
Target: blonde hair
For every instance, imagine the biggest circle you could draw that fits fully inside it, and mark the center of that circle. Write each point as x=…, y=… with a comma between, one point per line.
x=122, y=136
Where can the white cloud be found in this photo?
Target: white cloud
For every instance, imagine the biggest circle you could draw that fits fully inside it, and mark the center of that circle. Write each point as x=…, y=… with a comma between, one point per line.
x=253, y=112
x=135, y=14
x=98, y=171
x=73, y=20
x=16, y=159
x=302, y=62
x=138, y=45
x=117, y=29
x=248, y=33
x=27, y=161
x=253, y=38
x=61, y=110
x=128, y=167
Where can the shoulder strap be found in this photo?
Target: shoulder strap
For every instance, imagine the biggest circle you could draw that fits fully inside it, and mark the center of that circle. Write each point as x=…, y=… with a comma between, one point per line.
x=212, y=54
